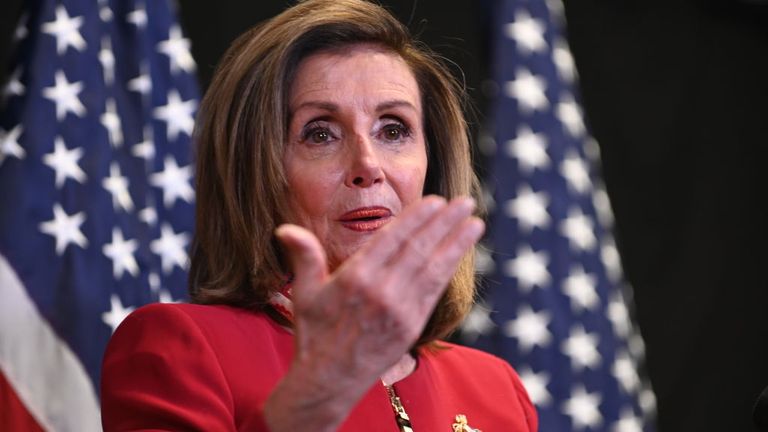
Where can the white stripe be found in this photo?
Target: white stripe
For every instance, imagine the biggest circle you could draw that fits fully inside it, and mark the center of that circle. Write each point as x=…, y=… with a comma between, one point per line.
x=44, y=372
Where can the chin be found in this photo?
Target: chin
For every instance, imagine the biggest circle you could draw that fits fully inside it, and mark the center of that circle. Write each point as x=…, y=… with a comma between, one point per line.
x=340, y=250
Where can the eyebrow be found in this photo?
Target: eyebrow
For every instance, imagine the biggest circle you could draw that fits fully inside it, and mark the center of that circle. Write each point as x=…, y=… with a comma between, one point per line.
x=326, y=106
x=394, y=104
x=332, y=107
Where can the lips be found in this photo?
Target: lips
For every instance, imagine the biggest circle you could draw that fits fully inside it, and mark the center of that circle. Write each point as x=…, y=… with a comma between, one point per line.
x=366, y=218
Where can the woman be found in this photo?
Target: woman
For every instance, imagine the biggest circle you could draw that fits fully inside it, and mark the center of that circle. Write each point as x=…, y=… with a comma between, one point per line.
x=326, y=265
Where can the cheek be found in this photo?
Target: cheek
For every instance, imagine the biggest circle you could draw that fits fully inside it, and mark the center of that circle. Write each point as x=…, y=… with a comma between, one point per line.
x=310, y=187
x=410, y=181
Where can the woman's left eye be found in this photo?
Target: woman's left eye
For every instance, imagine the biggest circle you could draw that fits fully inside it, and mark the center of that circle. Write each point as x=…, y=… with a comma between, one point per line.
x=395, y=131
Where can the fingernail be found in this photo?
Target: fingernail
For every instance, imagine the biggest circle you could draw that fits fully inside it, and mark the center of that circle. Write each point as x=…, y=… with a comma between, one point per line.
x=281, y=230
x=476, y=227
x=435, y=202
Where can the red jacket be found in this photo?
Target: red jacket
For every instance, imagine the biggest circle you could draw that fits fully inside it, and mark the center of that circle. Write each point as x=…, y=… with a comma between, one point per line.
x=210, y=368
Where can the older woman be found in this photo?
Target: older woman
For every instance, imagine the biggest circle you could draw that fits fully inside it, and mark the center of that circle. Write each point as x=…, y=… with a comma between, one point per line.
x=327, y=263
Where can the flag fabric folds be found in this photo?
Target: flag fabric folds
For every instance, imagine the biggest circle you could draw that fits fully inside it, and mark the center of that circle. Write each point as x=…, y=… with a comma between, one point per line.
x=96, y=198
x=555, y=303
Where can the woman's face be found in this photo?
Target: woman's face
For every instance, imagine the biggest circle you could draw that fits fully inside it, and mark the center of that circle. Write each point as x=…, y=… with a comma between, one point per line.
x=355, y=156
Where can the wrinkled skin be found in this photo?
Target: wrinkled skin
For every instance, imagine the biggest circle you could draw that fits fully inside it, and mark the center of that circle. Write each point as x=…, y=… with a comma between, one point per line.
x=363, y=288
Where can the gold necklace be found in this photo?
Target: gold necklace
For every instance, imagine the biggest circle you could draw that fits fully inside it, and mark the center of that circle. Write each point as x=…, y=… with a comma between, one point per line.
x=401, y=417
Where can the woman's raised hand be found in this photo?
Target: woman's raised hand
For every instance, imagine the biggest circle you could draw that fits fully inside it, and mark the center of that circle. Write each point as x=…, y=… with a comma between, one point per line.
x=354, y=324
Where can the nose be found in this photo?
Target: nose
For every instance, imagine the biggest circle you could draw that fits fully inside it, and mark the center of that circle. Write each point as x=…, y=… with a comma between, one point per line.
x=364, y=164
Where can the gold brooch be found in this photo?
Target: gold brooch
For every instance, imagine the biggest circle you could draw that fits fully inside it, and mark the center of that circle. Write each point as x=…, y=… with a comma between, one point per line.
x=461, y=425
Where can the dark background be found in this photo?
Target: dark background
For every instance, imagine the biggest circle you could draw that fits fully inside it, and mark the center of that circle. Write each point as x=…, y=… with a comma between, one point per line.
x=676, y=93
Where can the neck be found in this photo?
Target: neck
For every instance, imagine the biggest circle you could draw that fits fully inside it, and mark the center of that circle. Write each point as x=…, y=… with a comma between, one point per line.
x=399, y=370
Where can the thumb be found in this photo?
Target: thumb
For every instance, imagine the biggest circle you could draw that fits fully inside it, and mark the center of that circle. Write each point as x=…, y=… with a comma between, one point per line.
x=307, y=259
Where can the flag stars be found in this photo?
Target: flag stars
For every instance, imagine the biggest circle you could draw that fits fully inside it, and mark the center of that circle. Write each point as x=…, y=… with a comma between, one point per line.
x=626, y=373
x=556, y=8
x=647, y=400
x=64, y=163
x=477, y=323
x=602, y=207
x=529, y=208
x=628, y=422
x=174, y=181
x=609, y=255
x=21, y=29
x=536, y=386
x=636, y=345
x=117, y=185
x=619, y=316
x=65, y=228
x=9, y=143
x=142, y=83
x=583, y=408
x=65, y=95
x=527, y=32
x=107, y=60
x=138, y=17
x=581, y=347
x=484, y=263
x=529, y=328
x=121, y=251
x=490, y=202
x=529, y=90
x=578, y=228
x=569, y=114
x=576, y=172
x=177, y=114
x=148, y=215
x=154, y=282
x=170, y=246
x=105, y=13
x=592, y=150
x=116, y=314
x=529, y=149
x=14, y=86
x=146, y=148
x=111, y=122
x=529, y=268
x=166, y=297
x=66, y=31
x=581, y=288
x=561, y=56
x=176, y=47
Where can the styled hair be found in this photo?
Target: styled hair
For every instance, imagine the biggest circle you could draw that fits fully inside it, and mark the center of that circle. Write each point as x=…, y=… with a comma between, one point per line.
x=241, y=134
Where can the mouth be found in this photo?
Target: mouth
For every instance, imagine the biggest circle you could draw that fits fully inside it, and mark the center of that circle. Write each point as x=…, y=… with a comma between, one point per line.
x=366, y=218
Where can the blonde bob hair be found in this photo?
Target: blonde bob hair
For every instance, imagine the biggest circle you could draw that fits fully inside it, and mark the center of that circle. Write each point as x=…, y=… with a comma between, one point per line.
x=241, y=134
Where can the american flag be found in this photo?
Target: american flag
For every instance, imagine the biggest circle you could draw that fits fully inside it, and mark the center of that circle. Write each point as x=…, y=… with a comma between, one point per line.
x=556, y=302
x=96, y=190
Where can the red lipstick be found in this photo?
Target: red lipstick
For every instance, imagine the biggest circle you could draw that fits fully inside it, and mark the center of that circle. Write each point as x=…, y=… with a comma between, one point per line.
x=366, y=218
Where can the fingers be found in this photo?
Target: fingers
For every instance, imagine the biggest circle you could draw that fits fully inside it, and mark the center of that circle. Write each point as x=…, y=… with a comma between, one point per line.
x=375, y=305
x=429, y=258
x=390, y=241
x=415, y=257
x=417, y=247
x=442, y=265
x=307, y=258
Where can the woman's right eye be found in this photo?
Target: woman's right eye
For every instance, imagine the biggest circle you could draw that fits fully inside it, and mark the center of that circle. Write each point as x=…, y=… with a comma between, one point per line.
x=316, y=134
x=319, y=136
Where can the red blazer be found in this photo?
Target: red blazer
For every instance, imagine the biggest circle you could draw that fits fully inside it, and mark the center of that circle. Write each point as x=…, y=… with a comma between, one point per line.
x=210, y=368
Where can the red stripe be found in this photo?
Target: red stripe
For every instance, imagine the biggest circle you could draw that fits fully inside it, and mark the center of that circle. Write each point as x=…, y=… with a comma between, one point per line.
x=13, y=415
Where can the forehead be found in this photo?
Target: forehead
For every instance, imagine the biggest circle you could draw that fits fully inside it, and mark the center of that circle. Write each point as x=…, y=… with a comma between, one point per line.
x=364, y=71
